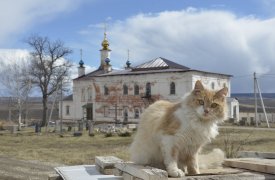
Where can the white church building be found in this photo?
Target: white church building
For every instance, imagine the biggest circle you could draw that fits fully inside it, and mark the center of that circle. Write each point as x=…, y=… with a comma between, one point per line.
x=108, y=95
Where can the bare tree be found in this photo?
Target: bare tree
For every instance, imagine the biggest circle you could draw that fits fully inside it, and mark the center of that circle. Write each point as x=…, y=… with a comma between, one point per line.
x=48, y=67
x=17, y=84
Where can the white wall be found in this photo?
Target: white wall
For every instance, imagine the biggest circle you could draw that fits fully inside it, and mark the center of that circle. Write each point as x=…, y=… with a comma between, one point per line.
x=160, y=82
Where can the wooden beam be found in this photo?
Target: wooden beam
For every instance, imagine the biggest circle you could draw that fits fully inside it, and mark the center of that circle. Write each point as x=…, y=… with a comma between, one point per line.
x=142, y=172
x=254, y=164
x=106, y=164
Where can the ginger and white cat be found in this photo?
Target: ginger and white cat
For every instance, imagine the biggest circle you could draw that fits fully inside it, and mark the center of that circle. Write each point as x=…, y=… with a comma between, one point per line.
x=170, y=135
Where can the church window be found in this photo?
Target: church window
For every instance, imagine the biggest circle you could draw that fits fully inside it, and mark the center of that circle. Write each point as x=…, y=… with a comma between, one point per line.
x=106, y=90
x=136, y=113
x=172, y=88
x=83, y=95
x=136, y=89
x=89, y=94
x=67, y=110
x=148, y=89
x=125, y=89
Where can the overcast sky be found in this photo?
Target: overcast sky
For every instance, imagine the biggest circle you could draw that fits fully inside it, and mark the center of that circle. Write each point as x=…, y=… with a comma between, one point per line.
x=232, y=37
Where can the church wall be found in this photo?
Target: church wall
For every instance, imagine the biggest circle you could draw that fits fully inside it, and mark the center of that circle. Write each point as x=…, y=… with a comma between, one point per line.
x=113, y=106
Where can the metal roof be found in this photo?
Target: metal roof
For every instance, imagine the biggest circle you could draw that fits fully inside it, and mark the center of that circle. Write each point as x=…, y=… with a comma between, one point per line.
x=159, y=63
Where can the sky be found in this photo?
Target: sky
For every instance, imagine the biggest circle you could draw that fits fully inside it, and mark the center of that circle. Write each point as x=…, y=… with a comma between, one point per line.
x=230, y=37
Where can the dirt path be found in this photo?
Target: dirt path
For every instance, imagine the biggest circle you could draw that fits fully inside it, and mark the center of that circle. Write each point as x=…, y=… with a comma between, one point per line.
x=13, y=169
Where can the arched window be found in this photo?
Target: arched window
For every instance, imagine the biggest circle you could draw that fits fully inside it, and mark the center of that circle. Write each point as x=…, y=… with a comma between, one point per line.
x=106, y=90
x=148, y=89
x=83, y=95
x=125, y=89
x=67, y=110
x=213, y=85
x=172, y=88
x=136, y=113
x=136, y=89
x=89, y=94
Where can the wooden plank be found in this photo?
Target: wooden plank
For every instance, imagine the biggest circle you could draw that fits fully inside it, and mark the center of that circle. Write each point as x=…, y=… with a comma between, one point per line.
x=127, y=176
x=219, y=171
x=255, y=154
x=239, y=176
x=254, y=164
x=54, y=176
x=107, y=162
x=142, y=172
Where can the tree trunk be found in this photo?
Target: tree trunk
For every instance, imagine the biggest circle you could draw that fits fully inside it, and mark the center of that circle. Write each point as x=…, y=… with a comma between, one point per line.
x=45, y=110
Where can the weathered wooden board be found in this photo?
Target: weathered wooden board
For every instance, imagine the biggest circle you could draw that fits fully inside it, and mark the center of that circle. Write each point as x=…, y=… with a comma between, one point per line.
x=107, y=162
x=255, y=164
x=255, y=154
x=238, y=176
x=54, y=177
x=142, y=172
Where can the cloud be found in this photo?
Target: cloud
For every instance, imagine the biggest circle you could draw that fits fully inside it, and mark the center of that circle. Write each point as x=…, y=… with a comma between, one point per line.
x=11, y=56
x=209, y=40
x=17, y=17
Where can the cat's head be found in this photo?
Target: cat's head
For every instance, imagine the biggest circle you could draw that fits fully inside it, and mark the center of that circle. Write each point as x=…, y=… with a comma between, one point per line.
x=209, y=105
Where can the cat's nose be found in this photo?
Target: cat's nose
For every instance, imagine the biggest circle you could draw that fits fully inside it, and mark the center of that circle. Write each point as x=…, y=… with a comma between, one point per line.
x=206, y=111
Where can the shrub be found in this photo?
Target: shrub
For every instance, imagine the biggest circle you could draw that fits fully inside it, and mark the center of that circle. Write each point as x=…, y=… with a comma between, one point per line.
x=124, y=134
x=232, y=144
x=109, y=134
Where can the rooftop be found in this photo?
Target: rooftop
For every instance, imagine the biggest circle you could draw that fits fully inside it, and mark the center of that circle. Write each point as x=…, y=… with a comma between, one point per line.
x=157, y=65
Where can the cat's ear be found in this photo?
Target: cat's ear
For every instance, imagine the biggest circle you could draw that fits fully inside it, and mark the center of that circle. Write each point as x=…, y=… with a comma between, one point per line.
x=221, y=93
x=198, y=87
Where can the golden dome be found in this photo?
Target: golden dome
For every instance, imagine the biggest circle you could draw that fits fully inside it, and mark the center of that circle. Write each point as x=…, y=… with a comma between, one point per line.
x=105, y=43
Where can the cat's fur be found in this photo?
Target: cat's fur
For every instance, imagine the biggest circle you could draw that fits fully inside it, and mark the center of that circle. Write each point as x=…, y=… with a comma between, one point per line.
x=170, y=135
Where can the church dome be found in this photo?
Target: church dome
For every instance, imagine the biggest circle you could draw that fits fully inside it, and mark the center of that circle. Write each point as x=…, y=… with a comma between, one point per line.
x=105, y=43
x=81, y=63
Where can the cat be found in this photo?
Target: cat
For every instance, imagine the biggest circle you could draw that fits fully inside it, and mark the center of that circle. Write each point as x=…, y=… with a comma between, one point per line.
x=170, y=135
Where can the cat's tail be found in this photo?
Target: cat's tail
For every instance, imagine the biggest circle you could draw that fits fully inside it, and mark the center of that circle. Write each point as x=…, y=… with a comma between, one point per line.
x=211, y=160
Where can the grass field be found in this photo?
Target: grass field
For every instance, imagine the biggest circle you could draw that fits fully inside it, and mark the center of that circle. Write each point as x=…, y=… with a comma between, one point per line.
x=82, y=150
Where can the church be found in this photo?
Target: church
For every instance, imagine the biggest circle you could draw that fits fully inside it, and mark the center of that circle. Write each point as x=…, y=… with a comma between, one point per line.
x=120, y=96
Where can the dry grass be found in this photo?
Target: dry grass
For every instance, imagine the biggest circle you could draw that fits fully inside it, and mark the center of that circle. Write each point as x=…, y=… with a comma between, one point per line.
x=82, y=150
x=65, y=150
x=233, y=140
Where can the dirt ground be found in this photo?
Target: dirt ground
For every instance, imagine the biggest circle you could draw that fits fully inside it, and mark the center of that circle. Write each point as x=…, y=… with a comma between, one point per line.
x=13, y=169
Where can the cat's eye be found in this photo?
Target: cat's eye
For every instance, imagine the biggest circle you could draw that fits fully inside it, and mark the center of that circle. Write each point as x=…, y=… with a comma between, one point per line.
x=214, y=105
x=201, y=102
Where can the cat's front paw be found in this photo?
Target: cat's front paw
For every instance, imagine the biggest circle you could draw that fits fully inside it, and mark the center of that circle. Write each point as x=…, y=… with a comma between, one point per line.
x=175, y=172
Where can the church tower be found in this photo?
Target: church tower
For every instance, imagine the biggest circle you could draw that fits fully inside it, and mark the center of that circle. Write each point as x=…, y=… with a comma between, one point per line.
x=105, y=55
x=81, y=68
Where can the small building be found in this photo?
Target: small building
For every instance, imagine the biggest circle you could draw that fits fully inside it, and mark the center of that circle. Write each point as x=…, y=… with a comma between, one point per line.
x=247, y=114
x=109, y=95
